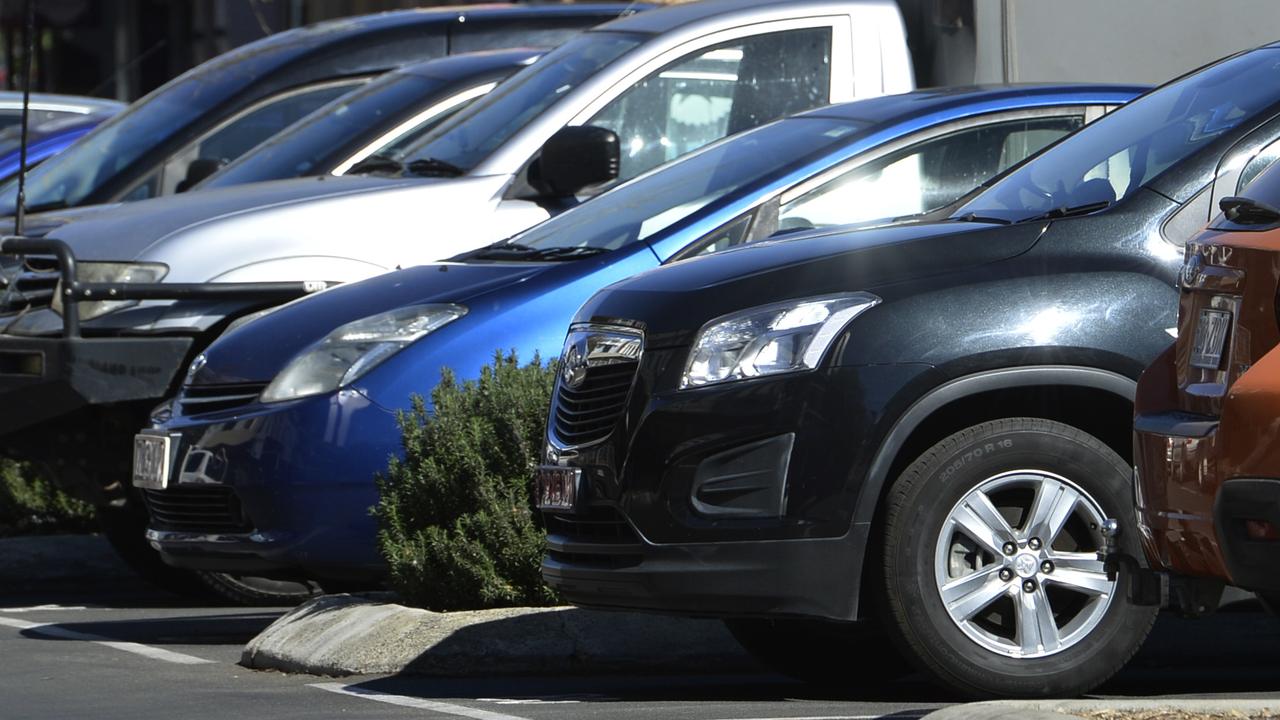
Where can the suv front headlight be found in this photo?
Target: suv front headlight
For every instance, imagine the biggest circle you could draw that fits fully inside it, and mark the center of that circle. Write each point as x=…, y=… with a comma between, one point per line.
x=110, y=272
x=779, y=338
x=346, y=354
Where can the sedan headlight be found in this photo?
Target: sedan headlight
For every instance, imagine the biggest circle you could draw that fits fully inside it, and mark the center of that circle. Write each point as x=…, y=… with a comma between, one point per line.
x=354, y=349
x=110, y=272
x=779, y=338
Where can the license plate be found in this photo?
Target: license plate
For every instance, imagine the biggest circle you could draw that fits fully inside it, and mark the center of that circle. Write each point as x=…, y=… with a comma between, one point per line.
x=1210, y=339
x=558, y=487
x=151, y=455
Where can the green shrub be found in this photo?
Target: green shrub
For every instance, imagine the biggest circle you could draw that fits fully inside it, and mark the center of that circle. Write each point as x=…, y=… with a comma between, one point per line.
x=30, y=503
x=456, y=521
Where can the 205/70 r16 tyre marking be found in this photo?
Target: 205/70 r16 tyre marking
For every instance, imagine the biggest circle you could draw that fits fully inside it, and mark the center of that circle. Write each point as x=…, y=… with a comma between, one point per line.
x=1030, y=587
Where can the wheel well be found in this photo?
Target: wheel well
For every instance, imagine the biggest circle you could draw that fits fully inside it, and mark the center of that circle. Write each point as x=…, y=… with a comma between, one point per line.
x=1103, y=414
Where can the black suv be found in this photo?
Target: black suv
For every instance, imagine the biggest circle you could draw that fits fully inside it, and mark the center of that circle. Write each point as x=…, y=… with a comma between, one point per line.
x=922, y=427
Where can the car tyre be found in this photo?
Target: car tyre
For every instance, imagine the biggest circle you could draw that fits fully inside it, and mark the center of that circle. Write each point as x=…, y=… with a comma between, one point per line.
x=258, y=591
x=831, y=654
x=1002, y=520
x=124, y=529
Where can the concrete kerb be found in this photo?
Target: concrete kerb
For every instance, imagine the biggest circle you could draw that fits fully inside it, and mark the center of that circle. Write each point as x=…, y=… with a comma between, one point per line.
x=1067, y=709
x=341, y=635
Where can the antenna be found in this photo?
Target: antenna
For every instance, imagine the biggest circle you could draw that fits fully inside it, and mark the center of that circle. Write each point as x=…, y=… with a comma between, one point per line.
x=30, y=37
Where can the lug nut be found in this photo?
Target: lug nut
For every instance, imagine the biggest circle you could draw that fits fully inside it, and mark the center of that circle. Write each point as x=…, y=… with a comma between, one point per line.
x=1006, y=574
x=1029, y=586
x=1046, y=567
x=1034, y=543
x=1010, y=548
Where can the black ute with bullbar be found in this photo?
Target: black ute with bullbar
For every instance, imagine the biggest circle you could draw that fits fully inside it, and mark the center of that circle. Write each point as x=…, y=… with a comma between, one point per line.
x=918, y=431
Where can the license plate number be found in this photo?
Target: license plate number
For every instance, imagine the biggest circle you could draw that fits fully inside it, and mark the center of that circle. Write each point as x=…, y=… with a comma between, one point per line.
x=558, y=487
x=151, y=461
x=1210, y=339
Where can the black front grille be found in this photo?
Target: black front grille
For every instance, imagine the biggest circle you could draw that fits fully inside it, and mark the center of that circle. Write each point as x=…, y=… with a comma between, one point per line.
x=27, y=288
x=588, y=413
x=212, y=508
x=599, y=525
x=600, y=538
x=199, y=399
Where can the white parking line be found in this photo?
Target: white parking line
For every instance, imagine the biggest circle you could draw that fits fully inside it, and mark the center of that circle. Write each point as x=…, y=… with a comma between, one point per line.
x=414, y=702
x=833, y=717
x=57, y=631
x=45, y=608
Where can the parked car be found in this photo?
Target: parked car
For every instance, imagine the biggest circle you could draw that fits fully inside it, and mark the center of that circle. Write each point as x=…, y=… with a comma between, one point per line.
x=222, y=108
x=357, y=131
x=924, y=428
x=45, y=107
x=276, y=503
x=54, y=122
x=1206, y=463
x=665, y=81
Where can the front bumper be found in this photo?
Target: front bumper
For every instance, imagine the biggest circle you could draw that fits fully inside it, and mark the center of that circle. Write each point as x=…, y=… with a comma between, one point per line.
x=282, y=489
x=49, y=377
x=728, y=500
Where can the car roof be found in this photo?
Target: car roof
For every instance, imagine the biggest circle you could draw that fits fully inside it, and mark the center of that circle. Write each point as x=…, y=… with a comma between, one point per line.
x=65, y=103
x=896, y=108
x=673, y=17
x=374, y=30
x=464, y=64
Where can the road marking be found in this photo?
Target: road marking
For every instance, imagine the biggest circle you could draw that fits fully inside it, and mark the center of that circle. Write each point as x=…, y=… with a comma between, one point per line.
x=547, y=700
x=414, y=702
x=43, y=608
x=57, y=631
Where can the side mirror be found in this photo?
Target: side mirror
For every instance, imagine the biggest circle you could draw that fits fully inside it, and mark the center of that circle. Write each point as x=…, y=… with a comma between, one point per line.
x=576, y=158
x=198, y=170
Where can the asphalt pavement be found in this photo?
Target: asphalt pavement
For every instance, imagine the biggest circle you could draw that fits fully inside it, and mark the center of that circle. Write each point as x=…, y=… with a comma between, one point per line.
x=113, y=647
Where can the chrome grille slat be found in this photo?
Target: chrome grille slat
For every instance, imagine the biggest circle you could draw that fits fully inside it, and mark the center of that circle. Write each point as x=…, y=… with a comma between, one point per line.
x=201, y=399
x=598, y=368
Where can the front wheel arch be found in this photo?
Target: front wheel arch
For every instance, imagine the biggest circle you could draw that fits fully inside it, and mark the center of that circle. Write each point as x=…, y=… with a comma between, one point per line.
x=1034, y=391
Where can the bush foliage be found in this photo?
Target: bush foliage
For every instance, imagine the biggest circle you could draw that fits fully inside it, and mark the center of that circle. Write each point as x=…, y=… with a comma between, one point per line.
x=456, y=520
x=30, y=503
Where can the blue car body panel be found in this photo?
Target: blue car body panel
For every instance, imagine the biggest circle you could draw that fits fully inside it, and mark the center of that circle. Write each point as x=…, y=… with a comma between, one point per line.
x=303, y=468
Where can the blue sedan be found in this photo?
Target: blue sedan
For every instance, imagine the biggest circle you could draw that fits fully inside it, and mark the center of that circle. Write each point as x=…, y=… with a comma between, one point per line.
x=283, y=422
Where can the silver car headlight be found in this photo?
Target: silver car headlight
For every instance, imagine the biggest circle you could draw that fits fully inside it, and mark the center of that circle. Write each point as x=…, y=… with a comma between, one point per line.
x=346, y=354
x=110, y=272
x=779, y=338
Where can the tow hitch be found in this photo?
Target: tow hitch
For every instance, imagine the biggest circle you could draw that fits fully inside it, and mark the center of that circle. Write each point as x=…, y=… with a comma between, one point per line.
x=1189, y=596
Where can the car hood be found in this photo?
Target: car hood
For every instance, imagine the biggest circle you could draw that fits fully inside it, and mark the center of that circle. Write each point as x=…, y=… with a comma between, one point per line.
x=258, y=350
x=128, y=230
x=674, y=301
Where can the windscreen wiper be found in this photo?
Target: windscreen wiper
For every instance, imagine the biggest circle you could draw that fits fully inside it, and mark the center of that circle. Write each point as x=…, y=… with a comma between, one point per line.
x=516, y=251
x=1062, y=212
x=433, y=167
x=377, y=164
x=976, y=218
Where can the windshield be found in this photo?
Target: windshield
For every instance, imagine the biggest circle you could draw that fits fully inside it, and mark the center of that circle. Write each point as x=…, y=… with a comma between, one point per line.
x=653, y=202
x=69, y=177
x=1110, y=159
x=327, y=136
x=468, y=137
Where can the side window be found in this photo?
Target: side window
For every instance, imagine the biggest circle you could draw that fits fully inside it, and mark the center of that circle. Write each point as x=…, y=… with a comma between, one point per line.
x=1263, y=160
x=924, y=176
x=232, y=139
x=718, y=91
x=726, y=236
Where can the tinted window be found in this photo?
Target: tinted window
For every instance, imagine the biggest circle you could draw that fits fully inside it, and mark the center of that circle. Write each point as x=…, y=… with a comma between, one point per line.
x=233, y=139
x=1118, y=154
x=718, y=91
x=925, y=176
x=309, y=146
x=1265, y=188
x=652, y=203
x=468, y=137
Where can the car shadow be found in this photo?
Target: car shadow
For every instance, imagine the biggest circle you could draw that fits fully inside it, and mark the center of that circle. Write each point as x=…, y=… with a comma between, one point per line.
x=216, y=629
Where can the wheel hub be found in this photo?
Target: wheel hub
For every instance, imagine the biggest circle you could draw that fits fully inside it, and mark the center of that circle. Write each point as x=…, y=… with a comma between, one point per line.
x=1026, y=565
